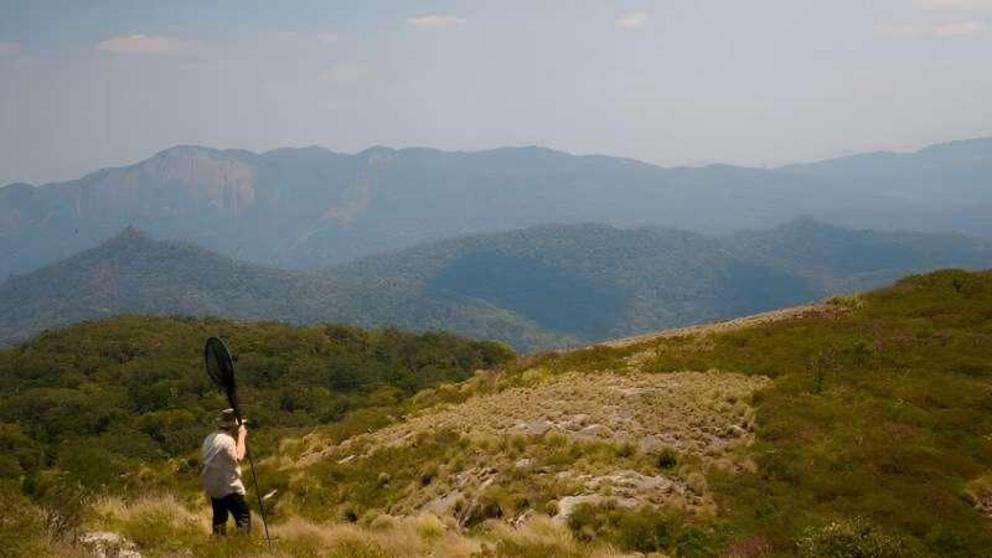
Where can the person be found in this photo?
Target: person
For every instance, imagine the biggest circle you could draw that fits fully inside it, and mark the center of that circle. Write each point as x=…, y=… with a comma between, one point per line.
x=223, y=451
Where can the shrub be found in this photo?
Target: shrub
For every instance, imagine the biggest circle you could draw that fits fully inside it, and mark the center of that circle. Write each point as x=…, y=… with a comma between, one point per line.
x=626, y=449
x=62, y=502
x=22, y=529
x=646, y=529
x=852, y=538
x=487, y=506
x=853, y=302
x=667, y=459
x=428, y=474
x=979, y=493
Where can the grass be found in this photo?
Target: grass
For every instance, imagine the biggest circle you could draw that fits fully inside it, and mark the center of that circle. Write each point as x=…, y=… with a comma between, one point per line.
x=521, y=447
x=882, y=412
x=877, y=420
x=865, y=431
x=164, y=527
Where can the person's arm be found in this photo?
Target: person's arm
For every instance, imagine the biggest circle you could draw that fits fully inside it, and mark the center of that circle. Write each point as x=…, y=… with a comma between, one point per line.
x=240, y=448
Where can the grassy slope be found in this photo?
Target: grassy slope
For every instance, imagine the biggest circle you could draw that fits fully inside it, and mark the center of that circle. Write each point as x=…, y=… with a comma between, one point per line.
x=883, y=412
x=880, y=414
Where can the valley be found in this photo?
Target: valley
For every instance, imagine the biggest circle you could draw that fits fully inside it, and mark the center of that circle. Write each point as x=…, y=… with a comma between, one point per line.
x=539, y=288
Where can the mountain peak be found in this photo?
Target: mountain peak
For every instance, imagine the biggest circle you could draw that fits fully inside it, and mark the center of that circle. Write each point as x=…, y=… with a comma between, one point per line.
x=128, y=235
x=184, y=150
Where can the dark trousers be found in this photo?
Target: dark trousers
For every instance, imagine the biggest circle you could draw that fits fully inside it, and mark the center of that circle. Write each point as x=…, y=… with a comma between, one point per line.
x=235, y=505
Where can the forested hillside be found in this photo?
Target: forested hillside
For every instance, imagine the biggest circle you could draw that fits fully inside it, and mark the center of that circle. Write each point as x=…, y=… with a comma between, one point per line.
x=547, y=286
x=97, y=400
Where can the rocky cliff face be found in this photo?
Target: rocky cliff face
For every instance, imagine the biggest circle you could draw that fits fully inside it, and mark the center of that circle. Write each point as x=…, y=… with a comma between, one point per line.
x=175, y=179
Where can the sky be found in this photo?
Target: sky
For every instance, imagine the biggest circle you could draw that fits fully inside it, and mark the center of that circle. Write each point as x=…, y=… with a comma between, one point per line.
x=90, y=84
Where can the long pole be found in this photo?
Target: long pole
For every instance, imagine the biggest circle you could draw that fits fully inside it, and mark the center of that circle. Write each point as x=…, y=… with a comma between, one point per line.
x=258, y=493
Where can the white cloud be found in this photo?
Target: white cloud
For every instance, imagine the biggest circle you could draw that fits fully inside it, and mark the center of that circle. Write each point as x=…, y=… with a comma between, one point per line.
x=328, y=37
x=953, y=4
x=142, y=44
x=959, y=29
x=436, y=20
x=9, y=49
x=631, y=20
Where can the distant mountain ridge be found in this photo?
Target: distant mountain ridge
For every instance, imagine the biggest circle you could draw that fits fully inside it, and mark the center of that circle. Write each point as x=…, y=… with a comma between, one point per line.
x=311, y=207
x=539, y=287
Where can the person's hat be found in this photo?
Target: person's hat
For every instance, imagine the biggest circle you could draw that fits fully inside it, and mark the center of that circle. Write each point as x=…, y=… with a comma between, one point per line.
x=228, y=419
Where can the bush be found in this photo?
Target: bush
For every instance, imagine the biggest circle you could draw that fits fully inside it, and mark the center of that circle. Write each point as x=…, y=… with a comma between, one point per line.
x=852, y=538
x=626, y=449
x=428, y=474
x=22, y=529
x=645, y=529
x=667, y=459
x=485, y=507
x=62, y=502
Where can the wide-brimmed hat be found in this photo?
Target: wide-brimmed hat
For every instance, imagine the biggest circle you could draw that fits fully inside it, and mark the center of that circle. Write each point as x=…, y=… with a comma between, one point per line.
x=228, y=419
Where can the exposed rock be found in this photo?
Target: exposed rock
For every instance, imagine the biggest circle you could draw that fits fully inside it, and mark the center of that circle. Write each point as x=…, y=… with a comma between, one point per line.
x=684, y=411
x=575, y=422
x=594, y=432
x=632, y=484
x=533, y=428
x=444, y=504
x=104, y=544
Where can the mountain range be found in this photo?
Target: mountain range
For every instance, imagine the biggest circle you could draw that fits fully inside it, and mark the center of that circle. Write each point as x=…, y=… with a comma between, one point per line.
x=310, y=207
x=535, y=288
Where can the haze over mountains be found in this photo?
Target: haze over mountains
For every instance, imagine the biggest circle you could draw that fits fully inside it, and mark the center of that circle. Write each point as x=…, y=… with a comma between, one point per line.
x=538, y=287
x=310, y=207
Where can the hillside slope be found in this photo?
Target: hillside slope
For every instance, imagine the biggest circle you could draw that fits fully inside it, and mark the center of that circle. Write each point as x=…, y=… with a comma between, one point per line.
x=133, y=274
x=311, y=207
x=542, y=287
x=862, y=426
x=130, y=390
x=857, y=428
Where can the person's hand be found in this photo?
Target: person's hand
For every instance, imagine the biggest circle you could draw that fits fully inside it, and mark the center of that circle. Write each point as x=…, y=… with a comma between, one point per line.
x=242, y=431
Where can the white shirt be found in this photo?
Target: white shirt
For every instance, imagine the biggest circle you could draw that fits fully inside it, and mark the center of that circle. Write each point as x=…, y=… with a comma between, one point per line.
x=221, y=472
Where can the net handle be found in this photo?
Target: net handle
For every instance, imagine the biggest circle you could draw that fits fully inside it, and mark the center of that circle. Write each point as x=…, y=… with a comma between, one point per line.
x=216, y=350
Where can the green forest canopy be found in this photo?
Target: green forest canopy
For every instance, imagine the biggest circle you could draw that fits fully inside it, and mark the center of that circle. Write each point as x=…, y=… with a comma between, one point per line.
x=98, y=398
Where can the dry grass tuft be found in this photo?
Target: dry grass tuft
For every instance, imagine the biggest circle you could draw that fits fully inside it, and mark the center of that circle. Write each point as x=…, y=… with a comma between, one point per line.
x=979, y=492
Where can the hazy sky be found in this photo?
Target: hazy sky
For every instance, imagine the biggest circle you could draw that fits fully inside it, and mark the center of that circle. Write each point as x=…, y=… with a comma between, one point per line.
x=87, y=84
